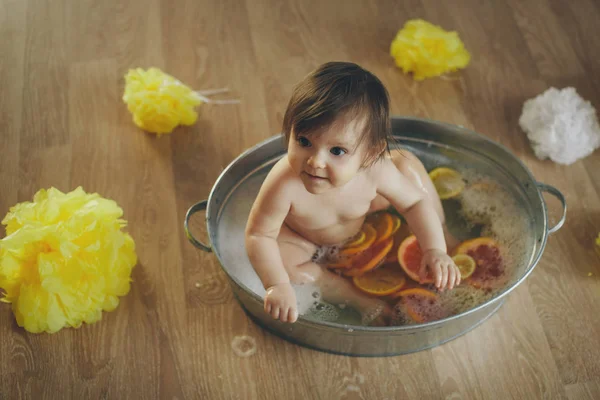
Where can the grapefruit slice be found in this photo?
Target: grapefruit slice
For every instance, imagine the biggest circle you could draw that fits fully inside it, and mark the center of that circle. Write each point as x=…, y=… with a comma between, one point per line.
x=447, y=181
x=369, y=259
x=382, y=281
x=421, y=305
x=370, y=236
x=466, y=265
x=491, y=266
x=410, y=256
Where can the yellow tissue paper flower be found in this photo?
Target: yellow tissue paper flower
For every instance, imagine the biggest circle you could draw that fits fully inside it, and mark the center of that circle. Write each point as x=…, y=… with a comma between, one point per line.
x=64, y=259
x=159, y=102
x=427, y=50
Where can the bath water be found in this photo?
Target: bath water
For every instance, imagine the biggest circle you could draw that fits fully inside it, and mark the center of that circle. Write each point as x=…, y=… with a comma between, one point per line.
x=486, y=207
x=483, y=209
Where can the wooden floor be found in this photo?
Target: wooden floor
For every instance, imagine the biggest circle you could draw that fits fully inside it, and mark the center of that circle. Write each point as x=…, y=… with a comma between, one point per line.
x=63, y=124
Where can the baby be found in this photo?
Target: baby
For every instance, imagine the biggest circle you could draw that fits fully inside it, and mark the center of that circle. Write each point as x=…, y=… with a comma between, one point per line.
x=338, y=169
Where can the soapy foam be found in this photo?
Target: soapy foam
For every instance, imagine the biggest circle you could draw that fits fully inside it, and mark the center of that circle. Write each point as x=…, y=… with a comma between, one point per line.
x=485, y=202
x=307, y=296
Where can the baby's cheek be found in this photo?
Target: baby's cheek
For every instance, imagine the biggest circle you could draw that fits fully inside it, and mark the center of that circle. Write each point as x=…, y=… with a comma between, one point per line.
x=342, y=178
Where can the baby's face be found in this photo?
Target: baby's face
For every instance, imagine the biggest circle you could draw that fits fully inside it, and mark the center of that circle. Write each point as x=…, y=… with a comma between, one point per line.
x=330, y=159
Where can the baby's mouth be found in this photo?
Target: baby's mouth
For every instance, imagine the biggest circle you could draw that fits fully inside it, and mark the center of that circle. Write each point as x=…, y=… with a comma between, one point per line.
x=315, y=177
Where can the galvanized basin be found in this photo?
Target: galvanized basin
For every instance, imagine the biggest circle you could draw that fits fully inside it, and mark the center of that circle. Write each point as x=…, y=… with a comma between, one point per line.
x=434, y=143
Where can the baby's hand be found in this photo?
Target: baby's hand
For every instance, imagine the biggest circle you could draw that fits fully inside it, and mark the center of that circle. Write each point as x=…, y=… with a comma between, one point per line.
x=280, y=302
x=445, y=272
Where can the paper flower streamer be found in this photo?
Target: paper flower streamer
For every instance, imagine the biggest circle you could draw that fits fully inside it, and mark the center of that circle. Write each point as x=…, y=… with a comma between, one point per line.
x=159, y=102
x=427, y=50
x=64, y=259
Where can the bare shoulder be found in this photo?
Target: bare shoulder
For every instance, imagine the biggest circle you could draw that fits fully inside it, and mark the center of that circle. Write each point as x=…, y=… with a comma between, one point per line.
x=382, y=171
x=281, y=179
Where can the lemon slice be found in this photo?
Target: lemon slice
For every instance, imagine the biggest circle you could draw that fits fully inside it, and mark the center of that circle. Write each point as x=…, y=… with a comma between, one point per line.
x=447, y=181
x=466, y=265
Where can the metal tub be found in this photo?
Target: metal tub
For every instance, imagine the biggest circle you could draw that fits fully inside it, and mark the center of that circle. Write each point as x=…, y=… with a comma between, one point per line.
x=435, y=143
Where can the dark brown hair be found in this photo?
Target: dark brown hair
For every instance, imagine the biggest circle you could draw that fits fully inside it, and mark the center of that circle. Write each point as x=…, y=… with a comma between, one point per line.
x=335, y=89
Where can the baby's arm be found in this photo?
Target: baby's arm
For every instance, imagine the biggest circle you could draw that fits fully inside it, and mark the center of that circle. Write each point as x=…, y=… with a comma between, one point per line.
x=423, y=220
x=264, y=223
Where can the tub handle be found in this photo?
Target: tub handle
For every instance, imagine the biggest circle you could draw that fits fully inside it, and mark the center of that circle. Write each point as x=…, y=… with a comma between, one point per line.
x=556, y=193
x=200, y=206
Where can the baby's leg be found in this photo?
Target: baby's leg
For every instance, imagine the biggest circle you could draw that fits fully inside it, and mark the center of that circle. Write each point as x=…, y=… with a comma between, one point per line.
x=297, y=253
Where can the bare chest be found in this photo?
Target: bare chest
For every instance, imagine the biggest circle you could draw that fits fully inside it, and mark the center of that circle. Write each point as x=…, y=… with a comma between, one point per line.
x=338, y=207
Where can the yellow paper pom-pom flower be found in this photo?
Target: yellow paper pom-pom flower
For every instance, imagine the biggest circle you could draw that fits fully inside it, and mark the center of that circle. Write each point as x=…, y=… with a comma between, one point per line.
x=64, y=259
x=427, y=50
x=159, y=102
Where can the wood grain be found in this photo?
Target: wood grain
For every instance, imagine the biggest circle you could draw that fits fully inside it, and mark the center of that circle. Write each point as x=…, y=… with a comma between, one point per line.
x=63, y=124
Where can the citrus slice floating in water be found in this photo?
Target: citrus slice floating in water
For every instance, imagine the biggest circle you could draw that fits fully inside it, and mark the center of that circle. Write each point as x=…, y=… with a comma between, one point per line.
x=491, y=267
x=421, y=305
x=357, y=240
x=399, y=235
x=447, y=181
x=382, y=281
x=369, y=259
x=384, y=223
x=410, y=256
x=466, y=265
x=370, y=236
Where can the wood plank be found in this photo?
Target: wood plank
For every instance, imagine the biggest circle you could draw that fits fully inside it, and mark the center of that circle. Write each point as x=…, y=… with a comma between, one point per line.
x=12, y=40
x=581, y=391
x=511, y=345
x=64, y=124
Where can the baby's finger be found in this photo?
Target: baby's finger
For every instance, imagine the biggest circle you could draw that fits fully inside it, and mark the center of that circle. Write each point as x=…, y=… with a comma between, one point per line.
x=437, y=272
x=458, y=276
x=444, y=270
x=275, y=312
x=267, y=307
x=451, y=276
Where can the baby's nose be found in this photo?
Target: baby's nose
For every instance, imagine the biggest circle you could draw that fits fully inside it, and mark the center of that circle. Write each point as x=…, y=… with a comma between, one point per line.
x=315, y=161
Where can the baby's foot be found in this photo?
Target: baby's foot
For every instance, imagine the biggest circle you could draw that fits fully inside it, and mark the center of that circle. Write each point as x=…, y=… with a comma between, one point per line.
x=375, y=313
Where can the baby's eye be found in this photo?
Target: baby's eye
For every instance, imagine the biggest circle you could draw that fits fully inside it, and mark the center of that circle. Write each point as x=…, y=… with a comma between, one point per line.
x=337, y=151
x=304, y=142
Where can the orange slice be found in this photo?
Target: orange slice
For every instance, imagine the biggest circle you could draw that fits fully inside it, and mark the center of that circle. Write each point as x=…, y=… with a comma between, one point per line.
x=370, y=235
x=369, y=259
x=447, y=181
x=466, y=265
x=383, y=224
x=382, y=281
x=357, y=240
x=397, y=223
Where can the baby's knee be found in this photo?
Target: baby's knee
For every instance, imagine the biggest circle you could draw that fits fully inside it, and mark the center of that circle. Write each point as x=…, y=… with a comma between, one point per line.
x=305, y=273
